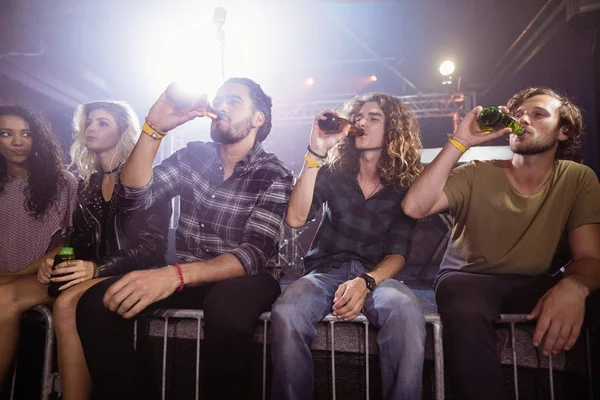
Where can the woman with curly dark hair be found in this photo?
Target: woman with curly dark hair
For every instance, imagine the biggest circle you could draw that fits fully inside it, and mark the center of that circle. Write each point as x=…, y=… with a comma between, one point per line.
x=37, y=199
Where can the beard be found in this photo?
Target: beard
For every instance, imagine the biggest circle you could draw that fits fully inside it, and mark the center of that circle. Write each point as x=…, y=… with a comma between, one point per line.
x=235, y=133
x=538, y=147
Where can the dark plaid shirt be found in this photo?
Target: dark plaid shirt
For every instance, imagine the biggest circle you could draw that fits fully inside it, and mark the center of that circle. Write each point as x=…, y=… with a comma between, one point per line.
x=355, y=228
x=242, y=216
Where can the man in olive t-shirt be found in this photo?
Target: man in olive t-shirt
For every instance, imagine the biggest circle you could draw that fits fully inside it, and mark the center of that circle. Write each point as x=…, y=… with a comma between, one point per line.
x=509, y=218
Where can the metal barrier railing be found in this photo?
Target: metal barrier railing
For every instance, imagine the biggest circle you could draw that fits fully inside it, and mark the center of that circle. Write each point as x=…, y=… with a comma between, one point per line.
x=47, y=377
x=514, y=319
x=198, y=315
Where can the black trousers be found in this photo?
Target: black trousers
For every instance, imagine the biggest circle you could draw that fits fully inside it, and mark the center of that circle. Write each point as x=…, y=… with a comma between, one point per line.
x=469, y=304
x=231, y=310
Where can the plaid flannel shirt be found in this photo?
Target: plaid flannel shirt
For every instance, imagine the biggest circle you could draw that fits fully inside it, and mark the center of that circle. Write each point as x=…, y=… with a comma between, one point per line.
x=355, y=228
x=242, y=215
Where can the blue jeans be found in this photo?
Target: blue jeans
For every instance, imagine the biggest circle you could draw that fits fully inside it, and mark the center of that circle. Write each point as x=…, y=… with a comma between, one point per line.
x=391, y=307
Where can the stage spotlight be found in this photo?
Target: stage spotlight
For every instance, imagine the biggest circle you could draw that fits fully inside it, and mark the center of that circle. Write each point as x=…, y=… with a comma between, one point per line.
x=447, y=68
x=373, y=78
x=309, y=81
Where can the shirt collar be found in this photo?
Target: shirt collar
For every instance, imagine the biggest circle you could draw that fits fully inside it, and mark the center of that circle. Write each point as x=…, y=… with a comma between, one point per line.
x=251, y=159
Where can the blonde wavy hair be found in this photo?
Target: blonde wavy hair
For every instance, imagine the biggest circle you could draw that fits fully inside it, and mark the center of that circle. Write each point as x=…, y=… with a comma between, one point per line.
x=87, y=163
x=400, y=161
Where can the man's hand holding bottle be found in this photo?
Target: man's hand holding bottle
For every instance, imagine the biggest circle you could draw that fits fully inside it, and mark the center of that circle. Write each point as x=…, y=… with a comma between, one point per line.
x=470, y=134
x=175, y=107
x=320, y=141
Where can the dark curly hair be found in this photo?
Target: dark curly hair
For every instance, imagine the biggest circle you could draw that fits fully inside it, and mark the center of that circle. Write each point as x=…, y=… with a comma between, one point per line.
x=400, y=161
x=261, y=101
x=44, y=162
x=569, y=116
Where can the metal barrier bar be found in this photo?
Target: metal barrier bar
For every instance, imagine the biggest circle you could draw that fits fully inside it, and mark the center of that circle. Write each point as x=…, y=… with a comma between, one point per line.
x=264, y=361
x=438, y=354
x=135, y=333
x=46, y=387
x=430, y=318
x=551, y=373
x=367, y=359
x=331, y=324
x=198, y=327
x=164, y=360
x=14, y=379
x=588, y=357
x=513, y=319
x=513, y=342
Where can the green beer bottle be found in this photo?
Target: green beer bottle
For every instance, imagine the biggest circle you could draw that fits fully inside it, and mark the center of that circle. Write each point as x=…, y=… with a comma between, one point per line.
x=493, y=119
x=66, y=253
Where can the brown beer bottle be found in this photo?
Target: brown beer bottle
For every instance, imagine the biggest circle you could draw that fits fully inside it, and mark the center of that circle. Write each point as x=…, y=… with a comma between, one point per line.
x=334, y=124
x=181, y=98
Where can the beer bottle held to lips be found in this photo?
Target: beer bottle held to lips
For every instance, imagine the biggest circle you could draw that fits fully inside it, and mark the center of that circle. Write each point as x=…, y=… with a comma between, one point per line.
x=181, y=98
x=493, y=119
x=334, y=124
x=66, y=253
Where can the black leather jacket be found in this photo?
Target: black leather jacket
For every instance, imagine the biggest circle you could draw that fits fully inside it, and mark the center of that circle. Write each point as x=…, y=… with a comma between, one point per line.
x=126, y=241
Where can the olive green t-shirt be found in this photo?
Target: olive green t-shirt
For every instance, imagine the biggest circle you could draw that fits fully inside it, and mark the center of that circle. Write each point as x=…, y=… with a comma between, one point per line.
x=499, y=231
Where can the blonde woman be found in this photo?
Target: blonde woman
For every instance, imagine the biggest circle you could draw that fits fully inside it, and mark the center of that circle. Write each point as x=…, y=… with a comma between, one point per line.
x=107, y=241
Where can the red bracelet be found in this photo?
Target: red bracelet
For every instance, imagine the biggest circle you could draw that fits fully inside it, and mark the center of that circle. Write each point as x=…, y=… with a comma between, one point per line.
x=180, y=272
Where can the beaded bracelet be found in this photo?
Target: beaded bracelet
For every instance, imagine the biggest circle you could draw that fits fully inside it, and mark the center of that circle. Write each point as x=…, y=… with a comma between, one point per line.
x=180, y=272
x=314, y=153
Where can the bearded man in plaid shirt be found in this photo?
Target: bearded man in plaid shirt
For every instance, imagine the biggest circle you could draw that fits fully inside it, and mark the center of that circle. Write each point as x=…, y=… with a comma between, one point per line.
x=233, y=199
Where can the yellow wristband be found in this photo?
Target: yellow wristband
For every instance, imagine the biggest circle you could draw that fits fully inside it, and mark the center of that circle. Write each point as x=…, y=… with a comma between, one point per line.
x=152, y=132
x=312, y=163
x=457, y=144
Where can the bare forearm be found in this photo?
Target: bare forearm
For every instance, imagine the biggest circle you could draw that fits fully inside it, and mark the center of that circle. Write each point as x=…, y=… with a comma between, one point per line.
x=137, y=171
x=585, y=272
x=424, y=194
x=33, y=267
x=388, y=268
x=301, y=197
x=218, y=269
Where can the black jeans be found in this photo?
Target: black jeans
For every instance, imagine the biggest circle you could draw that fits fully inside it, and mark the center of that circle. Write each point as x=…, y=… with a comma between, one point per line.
x=231, y=310
x=469, y=304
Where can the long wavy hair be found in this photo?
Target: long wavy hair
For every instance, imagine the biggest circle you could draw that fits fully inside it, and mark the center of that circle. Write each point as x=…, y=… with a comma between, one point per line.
x=400, y=161
x=85, y=162
x=568, y=113
x=44, y=162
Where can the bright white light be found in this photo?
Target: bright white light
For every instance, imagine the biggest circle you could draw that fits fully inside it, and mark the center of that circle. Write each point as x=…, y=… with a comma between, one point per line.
x=188, y=51
x=309, y=81
x=447, y=68
x=373, y=78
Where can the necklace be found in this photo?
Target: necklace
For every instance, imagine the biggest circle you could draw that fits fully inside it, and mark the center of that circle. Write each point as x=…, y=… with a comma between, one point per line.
x=371, y=195
x=112, y=171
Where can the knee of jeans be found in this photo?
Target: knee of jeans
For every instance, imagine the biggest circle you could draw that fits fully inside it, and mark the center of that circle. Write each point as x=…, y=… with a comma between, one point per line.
x=289, y=314
x=401, y=308
x=283, y=313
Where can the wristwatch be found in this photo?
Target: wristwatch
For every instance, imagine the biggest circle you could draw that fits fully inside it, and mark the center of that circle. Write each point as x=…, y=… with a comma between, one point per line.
x=371, y=284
